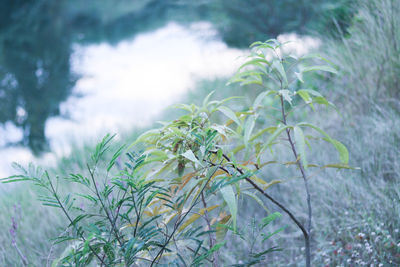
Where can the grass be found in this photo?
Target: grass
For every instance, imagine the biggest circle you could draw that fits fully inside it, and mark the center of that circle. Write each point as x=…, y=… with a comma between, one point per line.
x=36, y=225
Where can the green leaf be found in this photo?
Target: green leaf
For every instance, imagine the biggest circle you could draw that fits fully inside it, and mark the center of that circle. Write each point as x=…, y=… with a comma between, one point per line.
x=340, y=166
x=248, y=128
x=190, y=156
x=279, y=67
x=267, y=220
x=261, y=132
x=205, y=102
x=220, y=154
x=200, y=258
x=321, y=68
x=259, y=255
x=244, y=75
x=196, y=216
x=276, y=133
x=300, y=144
x=255, y=62
x=286, y=94
x=310, y=91
x=184, y=107
x=114, y=157
x=257, y=199
x=273, y=233
x=321, y=100
x=313, y=56
x=343, y=152
x=306, y=97
x=299, y=76
x=14, y=178
x=229, y=196
x=230, y=114
x=257, y=43
x=102, y=147
x=260, y=98
x=256, y=79
x=144, y=136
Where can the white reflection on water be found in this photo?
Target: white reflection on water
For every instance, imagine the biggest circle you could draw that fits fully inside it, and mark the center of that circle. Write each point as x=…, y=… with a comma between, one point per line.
x=130, y=83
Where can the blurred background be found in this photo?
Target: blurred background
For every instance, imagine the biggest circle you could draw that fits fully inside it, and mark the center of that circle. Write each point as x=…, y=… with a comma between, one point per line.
x=64, y=64
x=71, y=71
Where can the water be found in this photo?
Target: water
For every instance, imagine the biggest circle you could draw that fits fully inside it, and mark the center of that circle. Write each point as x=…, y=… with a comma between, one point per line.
x=126, y=85
x=123, y=86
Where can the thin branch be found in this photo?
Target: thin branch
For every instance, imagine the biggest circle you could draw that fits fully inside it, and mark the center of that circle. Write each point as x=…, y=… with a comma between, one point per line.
x=255, y=186
x=210, y=234
x=70, y=220
x=303, y=173
x=115, y=219
x=103, y=205
x=159, y=254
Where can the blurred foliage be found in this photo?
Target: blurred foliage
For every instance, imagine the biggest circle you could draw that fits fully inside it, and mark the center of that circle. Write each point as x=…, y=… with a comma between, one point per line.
x=242, y=22
x=34, y=65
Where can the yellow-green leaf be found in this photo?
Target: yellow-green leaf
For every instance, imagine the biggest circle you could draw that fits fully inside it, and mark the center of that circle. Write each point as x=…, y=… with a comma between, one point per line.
x=229, y=196
x=343, y=152
x=230, y=114
x=194, y=217
x=300, y=144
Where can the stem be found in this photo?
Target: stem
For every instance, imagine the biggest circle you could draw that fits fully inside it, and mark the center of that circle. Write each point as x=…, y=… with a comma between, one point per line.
x=159, y=254
x=291, y=215
x=210, y=234
x=21, y=255
x=303, y=174
x=53, y=191
x=137, y=213
x=113, y=228
x=255, y=186
x=116, y=218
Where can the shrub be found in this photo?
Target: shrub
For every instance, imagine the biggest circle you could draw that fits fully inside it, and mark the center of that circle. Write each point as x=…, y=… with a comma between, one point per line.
x=144, y=208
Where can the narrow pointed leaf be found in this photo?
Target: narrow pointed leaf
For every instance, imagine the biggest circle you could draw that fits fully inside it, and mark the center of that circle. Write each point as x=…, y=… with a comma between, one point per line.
x=195, y=216
x=272, y=138
x=287, y=95
x=321, y=68
x=257, y=199
x=279, y=67
x=229, y=196
x=248, y=129
x=267, y=220
x=190, y=156
x=230, y=114
x=343, y=152
x=300, y=144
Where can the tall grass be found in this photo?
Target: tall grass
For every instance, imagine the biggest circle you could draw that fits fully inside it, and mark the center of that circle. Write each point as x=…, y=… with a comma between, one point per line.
x=26, y=228
x=357, y=219
x=369, y=57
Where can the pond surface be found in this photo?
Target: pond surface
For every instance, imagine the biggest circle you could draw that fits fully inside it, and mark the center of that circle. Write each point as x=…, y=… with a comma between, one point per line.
x=71, y=71
x=123, y=86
